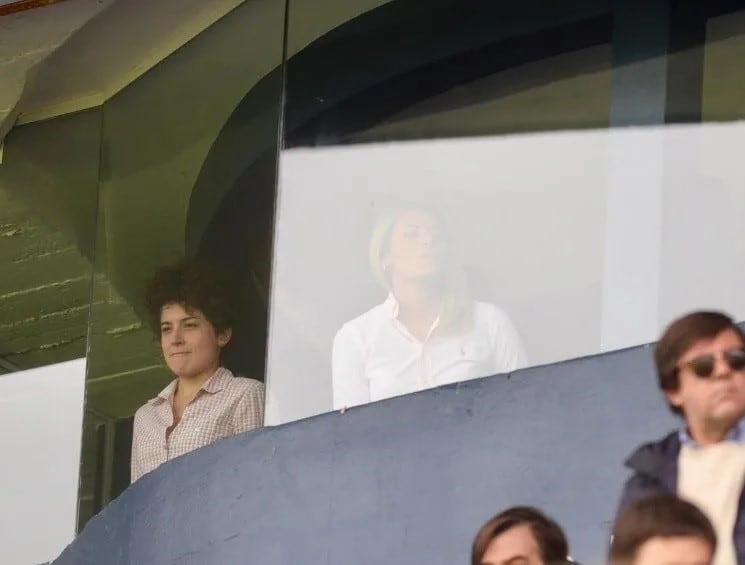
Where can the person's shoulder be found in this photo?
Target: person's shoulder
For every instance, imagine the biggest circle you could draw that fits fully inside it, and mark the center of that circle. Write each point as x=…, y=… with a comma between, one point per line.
x=149, y=405
x=371, y=316
x=653, y=469
x=649, y=456
x=639, y=486
x=491, y=314
x=144, y=410
x=365, y=323
x=141, y=410
x=246, y=385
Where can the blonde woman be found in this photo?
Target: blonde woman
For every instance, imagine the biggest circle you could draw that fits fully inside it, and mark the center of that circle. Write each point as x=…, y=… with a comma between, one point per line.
x=428, y=332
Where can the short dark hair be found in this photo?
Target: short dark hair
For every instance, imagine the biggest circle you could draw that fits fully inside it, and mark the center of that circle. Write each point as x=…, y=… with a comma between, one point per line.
x=200, y=284
x=549, y=536
x=663, y=515
x=679, y=336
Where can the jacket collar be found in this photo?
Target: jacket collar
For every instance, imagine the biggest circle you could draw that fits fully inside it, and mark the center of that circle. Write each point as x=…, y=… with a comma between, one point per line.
x=658, y=460
x=736, y=434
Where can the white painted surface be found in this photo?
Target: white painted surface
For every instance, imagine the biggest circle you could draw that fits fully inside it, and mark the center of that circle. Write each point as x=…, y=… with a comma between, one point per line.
x=41, y=415
x=590, y=241
x=633, y=224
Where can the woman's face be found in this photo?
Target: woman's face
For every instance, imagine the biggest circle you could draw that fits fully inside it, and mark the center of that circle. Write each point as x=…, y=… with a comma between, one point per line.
x=190, y=345
x=415, y=249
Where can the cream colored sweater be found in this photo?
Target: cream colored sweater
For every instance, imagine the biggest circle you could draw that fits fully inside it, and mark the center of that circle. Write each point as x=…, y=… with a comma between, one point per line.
x=712, y=477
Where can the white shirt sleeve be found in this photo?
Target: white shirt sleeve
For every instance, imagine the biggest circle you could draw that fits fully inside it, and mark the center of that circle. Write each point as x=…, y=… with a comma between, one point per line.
x=349, y=382
x=508, y=350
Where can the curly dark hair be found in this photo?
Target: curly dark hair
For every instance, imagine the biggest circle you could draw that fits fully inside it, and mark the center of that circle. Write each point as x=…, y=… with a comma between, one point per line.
x=199, y=284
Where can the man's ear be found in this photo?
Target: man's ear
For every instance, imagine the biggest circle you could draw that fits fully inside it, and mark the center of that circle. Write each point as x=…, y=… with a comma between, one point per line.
x=674, y=397
x=224, y=337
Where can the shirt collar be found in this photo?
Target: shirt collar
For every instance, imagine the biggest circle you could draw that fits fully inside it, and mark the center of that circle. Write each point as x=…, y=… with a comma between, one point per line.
x=736, y=434
x=215, y=383
x=391, y=305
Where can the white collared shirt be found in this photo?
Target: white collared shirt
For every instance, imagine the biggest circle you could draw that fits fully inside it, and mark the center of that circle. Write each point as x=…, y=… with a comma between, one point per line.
x=375, y=356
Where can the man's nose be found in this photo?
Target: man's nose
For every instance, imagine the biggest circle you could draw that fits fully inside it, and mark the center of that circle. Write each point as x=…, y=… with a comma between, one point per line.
x=721, y=367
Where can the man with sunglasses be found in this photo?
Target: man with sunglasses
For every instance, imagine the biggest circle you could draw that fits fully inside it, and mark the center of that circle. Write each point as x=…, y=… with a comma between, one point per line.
x=700, y=362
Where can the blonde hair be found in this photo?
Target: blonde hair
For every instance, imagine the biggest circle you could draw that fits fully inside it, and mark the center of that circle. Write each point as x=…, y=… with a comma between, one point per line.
x=457, y=307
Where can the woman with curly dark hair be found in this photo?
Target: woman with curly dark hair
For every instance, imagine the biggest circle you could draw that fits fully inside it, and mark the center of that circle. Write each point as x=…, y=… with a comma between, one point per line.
x=193, y=308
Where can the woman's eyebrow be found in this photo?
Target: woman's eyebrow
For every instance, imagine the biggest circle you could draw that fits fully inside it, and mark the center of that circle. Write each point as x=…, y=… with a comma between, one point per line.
x=184, y=319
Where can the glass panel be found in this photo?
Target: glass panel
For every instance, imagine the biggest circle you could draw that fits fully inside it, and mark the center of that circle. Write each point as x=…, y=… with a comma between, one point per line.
x=723, y=75
x=703, y=179
x=48, y=187
x=433, y=75
x=571, y=242
x=48, y=192
x=186, y=145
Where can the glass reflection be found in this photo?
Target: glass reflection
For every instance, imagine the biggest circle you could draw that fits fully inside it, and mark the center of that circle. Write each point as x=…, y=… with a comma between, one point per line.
x=429, y=331
x=172, y=167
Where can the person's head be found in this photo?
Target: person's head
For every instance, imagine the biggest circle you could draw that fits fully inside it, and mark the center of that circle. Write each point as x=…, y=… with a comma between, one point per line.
x=408, y=244
x=662, y=530
x=192, y=308
x=700, y=362
x=520, y=536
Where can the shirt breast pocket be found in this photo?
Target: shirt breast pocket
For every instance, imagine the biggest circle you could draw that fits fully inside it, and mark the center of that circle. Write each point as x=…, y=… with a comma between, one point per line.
x=212, y=426
x=468, y=358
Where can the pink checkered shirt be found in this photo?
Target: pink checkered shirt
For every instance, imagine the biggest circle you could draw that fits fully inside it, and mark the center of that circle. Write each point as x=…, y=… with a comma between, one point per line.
x=224, y=406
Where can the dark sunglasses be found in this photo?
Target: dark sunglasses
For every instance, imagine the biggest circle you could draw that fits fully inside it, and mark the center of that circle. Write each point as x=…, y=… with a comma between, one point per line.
x=703, y=365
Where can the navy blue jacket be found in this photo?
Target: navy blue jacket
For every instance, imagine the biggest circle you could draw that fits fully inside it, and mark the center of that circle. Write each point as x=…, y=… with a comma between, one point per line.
x=655, y=468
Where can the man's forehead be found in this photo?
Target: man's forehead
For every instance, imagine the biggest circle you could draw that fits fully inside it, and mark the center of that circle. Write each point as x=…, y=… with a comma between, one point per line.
x=724, y=339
